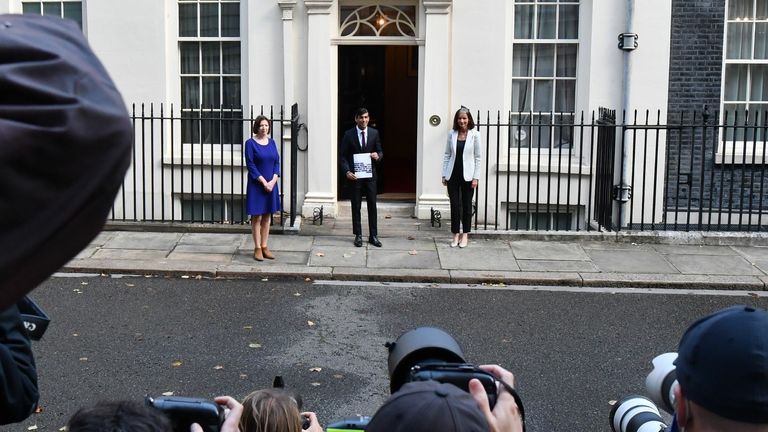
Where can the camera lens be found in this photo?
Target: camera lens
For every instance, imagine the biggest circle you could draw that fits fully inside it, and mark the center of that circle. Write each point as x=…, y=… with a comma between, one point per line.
x=661, y=381
x=636, y=413
x=419, y=346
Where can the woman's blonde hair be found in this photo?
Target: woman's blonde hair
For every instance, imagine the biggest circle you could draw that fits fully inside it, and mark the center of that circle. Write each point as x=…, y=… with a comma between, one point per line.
x=270, y=410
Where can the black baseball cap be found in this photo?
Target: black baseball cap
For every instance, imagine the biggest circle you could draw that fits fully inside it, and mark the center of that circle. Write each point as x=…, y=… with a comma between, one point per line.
x=722, y=363
x=65, y=145
x=425, y=406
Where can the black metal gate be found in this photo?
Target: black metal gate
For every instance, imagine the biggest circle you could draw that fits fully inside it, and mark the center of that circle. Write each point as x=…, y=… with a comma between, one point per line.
x=605, y=161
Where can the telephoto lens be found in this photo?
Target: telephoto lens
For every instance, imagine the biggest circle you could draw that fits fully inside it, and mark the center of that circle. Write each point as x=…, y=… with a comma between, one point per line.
x=636, y=413
x=661, y=382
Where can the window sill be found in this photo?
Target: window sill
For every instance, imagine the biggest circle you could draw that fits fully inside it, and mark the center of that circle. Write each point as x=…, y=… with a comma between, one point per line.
x=729, y=158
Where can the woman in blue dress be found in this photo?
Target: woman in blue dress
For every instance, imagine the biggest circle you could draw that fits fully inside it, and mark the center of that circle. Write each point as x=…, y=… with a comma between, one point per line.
x=262, y=198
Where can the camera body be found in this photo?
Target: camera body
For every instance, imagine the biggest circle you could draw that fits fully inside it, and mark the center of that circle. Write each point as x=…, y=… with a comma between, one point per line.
x=183, y=411
x=458, y=374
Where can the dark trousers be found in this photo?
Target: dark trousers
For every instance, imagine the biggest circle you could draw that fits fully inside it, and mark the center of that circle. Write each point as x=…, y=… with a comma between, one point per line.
x=460, y=193
x=367, y=186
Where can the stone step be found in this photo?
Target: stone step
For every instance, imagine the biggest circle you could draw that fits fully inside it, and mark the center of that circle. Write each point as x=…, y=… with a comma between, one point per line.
x=384, y=208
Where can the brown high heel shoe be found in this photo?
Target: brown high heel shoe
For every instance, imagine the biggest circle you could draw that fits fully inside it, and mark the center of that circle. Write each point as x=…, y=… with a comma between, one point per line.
x=266, y=253
x=257, y=254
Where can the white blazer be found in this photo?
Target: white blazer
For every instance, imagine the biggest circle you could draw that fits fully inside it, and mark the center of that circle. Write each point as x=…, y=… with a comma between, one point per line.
x=472, y=155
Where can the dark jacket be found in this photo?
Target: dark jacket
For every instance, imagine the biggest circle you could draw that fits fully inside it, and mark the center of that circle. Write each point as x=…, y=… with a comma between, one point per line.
x=18, y=376
x=350, y=144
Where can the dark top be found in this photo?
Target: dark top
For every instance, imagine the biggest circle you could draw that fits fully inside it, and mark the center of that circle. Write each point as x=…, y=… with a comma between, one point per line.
x=458, y=165
x=350, y=144
x=18, y=375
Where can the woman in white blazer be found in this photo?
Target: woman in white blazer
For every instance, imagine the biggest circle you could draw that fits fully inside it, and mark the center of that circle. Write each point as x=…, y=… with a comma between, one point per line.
x=461, y=172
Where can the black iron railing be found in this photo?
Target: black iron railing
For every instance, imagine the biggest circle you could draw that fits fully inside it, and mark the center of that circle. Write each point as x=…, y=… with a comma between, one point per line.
x=188, y=165
x=641, y=172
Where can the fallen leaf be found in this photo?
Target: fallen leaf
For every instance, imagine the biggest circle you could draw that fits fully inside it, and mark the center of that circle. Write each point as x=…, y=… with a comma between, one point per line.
x=413, y=252
x=243, y=376
x=63, y=429
x=315, y=384
x=185, y=276
x=168, y=393
x=254, y=345
x=130, y=285
x=33, y=427
x=315, y=369
x=612, y=402
x=75, y=334
x=176, y=363
x=83, y=359
x=198, y=277
x=346, y=255
x=218, y=367
x=338, y=376
x=310, y=323
x=248, y=327
x=83, y=283
x=38, y=409
x=298, y=294
x=264, y=279
x=411, y=237
x=306, y=280
x=388, y=217
x=320, y=254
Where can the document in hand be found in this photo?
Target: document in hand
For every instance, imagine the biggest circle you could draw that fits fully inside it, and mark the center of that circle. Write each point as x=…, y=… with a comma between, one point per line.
x=363, y=165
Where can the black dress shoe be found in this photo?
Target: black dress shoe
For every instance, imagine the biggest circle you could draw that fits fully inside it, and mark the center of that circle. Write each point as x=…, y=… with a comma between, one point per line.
x=359, y=241
x=374, y=241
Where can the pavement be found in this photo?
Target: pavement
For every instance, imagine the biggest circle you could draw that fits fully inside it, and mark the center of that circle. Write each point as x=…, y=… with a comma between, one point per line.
x=415, y=251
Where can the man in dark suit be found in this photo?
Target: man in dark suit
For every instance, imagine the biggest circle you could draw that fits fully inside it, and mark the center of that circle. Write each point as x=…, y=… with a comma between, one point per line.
x=361, y=139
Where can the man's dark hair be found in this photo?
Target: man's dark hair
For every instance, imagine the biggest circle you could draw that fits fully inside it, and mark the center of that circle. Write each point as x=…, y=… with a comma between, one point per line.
x=360, y=111
x=119, y=416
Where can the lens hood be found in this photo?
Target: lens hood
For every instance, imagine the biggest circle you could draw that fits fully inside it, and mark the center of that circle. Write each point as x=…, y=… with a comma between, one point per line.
x=422, y=344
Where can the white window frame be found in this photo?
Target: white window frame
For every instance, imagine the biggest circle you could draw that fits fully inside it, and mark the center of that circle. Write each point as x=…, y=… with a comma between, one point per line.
x=200, y=74
x=514, y=132
x=61, y=3
x=730, y=150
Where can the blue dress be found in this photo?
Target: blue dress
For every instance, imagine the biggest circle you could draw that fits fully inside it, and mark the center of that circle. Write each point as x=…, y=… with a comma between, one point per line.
x=261, y=160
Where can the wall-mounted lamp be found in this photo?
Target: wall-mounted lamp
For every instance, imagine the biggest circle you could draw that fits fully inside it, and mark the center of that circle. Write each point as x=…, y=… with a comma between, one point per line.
x=627, y=41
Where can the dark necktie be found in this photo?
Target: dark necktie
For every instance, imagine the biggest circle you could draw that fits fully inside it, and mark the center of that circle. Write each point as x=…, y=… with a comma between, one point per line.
x=362, y=140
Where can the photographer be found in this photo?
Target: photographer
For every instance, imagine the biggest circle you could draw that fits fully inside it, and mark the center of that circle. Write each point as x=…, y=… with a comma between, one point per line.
x=274, y=410
x=722, y=371
x=430, y=405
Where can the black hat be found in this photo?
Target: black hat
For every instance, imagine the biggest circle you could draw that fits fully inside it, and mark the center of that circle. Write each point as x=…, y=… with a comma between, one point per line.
x=65, y=142
x=425, y=406
x=722, y=363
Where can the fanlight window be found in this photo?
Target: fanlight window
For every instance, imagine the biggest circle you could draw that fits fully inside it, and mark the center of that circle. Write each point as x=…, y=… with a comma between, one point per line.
x=372, y=21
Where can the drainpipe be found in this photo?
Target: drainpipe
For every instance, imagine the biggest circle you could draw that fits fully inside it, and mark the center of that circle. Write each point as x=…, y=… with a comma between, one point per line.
x=627, y=43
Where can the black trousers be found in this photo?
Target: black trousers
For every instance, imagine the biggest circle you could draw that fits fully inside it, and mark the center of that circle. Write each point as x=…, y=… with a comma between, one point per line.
x=460, y=193
x=358, y=187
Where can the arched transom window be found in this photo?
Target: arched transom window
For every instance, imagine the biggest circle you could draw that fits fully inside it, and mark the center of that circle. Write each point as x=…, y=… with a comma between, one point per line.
x=379, y=20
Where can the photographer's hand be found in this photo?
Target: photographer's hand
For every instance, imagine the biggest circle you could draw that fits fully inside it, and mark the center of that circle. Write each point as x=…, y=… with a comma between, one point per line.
x=505, y=416
x=314, y=424
x=232, y=412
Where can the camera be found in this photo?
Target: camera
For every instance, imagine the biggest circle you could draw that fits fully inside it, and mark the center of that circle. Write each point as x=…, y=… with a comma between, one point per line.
x=183, y=411
x=430, y=353
x=636, y=413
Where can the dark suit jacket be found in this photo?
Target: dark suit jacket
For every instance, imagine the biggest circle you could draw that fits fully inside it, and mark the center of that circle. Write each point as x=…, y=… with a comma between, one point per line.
x=18, y=376
x=350, y=145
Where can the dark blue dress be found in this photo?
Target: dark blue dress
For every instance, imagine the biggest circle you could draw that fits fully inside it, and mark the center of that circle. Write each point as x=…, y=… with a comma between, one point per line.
x=261, y=160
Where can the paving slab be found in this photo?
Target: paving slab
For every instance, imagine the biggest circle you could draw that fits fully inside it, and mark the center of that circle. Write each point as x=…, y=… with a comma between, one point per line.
x=537, y=250
x=130, y=254
x=87, y=252
x=693, y=282
x=383, y=274
x=200, y=257
x=143, y=240
x=206, y=248
x=332, y=256
x=281, y=242
x=281, y=258
x=468, y=258
x=713, y=265
x=403, y=243
x=340, y=241
x=694, y=250
x=556, y=266
x=211, y=239
x=403, y=259
x=612, y=245
x=630, y=261
x=103, y=237
x=752, y=253
x=165, y=268
x=516, y=278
